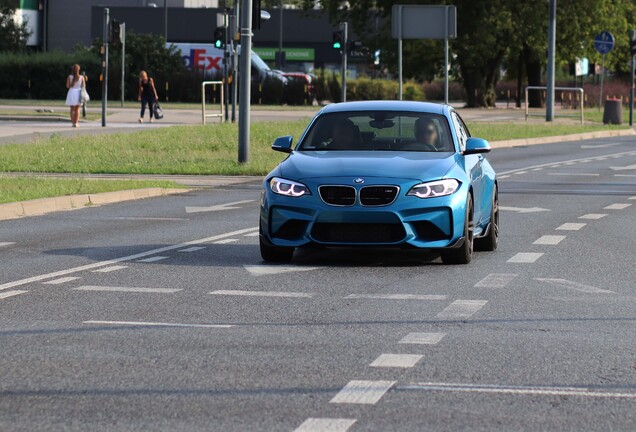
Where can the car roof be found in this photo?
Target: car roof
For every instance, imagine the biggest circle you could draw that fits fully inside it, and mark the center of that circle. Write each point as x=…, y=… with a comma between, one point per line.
x=384, y=105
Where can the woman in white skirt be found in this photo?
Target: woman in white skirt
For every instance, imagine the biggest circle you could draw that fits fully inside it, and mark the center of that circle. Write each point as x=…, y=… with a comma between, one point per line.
x=74, y=84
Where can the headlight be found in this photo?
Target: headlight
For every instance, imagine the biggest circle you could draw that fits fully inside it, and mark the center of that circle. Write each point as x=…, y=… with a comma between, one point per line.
x=434, y=189
x=288, y=187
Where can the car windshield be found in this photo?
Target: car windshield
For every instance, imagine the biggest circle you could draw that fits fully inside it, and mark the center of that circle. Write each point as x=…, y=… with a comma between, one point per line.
x=379, y=130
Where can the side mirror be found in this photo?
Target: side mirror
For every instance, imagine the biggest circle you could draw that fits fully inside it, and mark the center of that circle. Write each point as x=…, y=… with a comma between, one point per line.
x=283, y=144
x=476, y=146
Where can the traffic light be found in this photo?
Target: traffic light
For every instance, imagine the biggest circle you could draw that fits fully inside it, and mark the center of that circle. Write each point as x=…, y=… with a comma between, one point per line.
x=219, y=37
x=337, y=40
x=113, y=32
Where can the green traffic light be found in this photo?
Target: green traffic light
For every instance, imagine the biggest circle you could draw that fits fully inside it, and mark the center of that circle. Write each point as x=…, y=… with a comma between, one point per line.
x=337, y=45
x=217, y=43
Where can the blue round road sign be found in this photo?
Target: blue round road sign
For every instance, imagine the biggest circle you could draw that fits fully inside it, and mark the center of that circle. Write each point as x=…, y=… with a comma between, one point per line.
x=604, y=42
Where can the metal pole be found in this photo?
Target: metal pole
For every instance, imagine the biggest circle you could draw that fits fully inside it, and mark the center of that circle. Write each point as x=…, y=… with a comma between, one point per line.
x=344, y=62
x=600, y=95
x=105, y=65
x=235, y=82
x=245, y=81
x=165, y=20
x=446, y=55
x=632, y=36
x=400, y=53
x=280, y=37
x=226, y=60
x=123, y=60
x=549, y=112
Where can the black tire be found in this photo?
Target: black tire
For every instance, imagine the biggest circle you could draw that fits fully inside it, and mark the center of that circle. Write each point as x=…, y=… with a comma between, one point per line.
x=491, y=241
x=463, y=254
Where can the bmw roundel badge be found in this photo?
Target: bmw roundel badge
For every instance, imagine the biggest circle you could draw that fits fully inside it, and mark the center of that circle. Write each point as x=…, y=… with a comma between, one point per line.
x=358, y=180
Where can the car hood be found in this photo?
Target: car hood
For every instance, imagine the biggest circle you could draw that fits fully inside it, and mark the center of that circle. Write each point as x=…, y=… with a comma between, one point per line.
x=387, y=164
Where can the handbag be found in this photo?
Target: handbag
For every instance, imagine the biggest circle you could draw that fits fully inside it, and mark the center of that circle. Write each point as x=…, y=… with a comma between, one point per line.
x=157, y=111
x=84, y=97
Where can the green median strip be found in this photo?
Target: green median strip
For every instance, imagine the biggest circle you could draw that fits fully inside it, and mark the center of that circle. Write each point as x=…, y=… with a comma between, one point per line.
x=15, y=189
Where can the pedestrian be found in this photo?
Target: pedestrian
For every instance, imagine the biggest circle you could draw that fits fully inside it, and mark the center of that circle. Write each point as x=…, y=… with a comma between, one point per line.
x=147, y=95
x=74, y=83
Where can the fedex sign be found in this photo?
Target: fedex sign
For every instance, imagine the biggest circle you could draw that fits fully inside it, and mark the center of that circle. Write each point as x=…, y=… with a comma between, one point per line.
x=201, y=56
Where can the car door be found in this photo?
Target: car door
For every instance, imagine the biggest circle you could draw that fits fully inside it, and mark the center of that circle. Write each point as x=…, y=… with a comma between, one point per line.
x=473, y=164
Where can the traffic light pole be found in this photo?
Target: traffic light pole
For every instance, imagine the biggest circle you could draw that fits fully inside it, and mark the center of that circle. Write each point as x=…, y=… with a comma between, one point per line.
x=344, y=60
x=226, y=59
x=105, y=65
x=245, y=82
x=632, y=46
x=122, y=35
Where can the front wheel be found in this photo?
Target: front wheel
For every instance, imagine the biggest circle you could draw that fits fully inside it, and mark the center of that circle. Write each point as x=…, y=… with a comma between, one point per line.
x=490, y=241
x=463, y=254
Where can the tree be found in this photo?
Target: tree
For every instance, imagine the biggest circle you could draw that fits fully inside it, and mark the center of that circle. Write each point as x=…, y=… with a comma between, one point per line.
x=13, y=36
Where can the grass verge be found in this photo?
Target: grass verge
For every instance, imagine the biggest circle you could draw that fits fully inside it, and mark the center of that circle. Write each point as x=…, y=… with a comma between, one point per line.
x=210, y=149
x=14, y=189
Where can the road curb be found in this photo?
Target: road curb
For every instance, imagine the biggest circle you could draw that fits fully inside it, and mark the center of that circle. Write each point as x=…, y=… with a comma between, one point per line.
x=562, y=138
x=43, y=206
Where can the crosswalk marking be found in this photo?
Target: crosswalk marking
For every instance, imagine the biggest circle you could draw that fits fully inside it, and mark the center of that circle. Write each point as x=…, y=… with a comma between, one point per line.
x=261, y=293
x=617, y=206
x=496, y=280
x=461, y=309
x=593, y=216
x=571, y=226
x=549, y=240
x=110, y=269
x=362, y=392
x=397, y=360
x=525, y=257
x=397, y=296
x=422, y=338
x=7, y=294
x=127, y=289
x=61, y=280
x=325, y=425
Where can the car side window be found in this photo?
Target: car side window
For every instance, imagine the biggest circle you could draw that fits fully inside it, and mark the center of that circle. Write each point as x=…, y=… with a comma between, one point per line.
x=461, y=131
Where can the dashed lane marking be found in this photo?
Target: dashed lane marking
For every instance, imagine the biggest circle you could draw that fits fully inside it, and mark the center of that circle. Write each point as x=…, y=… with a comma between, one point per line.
x=496, y=280
x=254, y=234
x=557, y=165
x=100, y=264
x=396, y=360
x=593, y=216
x=264, y=270
x=226, y=241
x=632, y=198
x=262, y=293
x=570, y=226
x=617, y=206
x=7, y=294
x=325, y=425
x=158, y=324
x=61, y=280
x=461, y=309
x=517, y=390
x=525, y=257
x=575, y=174
x=549, y=240
x=110, y=269
x=362, y=392
x=422, y=338
x=127, y=289
x=192, y=249
x=397, y=296
x=153, y=259
x=521, y=172
x=4, y=244
x=564, y=283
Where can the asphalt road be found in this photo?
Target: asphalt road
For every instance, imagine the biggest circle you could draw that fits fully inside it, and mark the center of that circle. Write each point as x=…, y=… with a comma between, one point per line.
x=159, y=315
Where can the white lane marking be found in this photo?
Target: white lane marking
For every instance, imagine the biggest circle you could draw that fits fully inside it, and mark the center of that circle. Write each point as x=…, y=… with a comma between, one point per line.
x=158, y=324
x=496, y=280
x=549, y=240
x=61, y=280
x=517, y=390
x=624, y=175
x=397, y=296
x=264, y=270
x=569, y=163
x=153, y=259
x=525, y=257
x=325, y=425
x=575, y=174
x=537, y=169
x=3, y=244
x=571, y=226
x=7, y=294
x=192, y=249
x=126, y=258
x=521, y=172
x=624, y=168
x=396, y=360
x=254, y=234
x=574, y=285
x=110, y=269
x=585, y=161
x=227, y=206
x=523, y=209
x=126, y=289
x=632, y=198
x=362, y=392
x=556, y=165
x=141, y=218
x=422, y=338
x=617, y=206
x=262, y=293
x=461, y=309
x=593, y=216
x=502, y=176
x=226, y=241
x=588, y=146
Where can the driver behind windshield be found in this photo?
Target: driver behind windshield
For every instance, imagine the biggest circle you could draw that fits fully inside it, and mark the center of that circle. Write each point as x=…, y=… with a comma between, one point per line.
x=426, y=133
x=344, y=135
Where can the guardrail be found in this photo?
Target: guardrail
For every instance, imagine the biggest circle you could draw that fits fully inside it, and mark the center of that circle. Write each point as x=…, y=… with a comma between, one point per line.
x=203, y=114
x=572, y=89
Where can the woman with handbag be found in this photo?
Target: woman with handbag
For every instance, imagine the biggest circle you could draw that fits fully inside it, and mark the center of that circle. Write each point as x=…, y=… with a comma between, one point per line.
x=76, y=85
x=147, y=95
